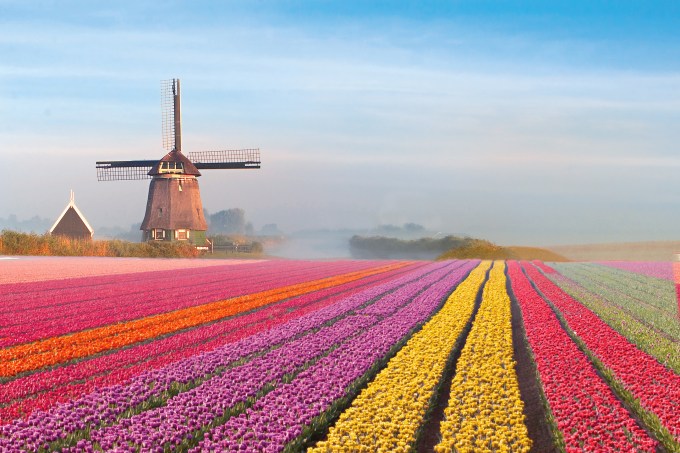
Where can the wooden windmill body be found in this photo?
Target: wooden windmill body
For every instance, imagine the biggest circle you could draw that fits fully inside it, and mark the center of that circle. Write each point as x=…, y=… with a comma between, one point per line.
x=174, y=211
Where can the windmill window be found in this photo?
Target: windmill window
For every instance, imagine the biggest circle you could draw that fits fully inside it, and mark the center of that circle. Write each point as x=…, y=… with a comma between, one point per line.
x=171, y=167
x=181, y=235
x=158, y=234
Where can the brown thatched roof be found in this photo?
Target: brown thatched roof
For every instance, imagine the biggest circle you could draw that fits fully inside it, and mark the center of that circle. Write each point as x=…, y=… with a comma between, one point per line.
x=174, y=203
x=176, y=156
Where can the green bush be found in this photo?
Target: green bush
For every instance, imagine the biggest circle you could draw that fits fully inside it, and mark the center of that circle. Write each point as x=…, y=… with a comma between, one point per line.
x=14, y=243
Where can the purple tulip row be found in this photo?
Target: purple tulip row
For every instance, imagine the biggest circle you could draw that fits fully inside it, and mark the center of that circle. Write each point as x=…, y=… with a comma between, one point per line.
x=183, y=344
x=205, y=403
x=70, y=313
x=199, y=406
x=105, y=405
x=280, y=416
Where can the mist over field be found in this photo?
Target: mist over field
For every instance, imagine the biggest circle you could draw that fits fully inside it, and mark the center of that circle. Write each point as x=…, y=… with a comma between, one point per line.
x=556, y=124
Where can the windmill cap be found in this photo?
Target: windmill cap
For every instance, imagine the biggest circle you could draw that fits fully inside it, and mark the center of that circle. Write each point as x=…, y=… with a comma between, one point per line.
x=175, y=156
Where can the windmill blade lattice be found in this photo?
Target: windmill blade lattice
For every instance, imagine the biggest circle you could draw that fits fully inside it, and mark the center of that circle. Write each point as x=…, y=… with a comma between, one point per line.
x=124, y=170
x=226, y=158
x=168, y=132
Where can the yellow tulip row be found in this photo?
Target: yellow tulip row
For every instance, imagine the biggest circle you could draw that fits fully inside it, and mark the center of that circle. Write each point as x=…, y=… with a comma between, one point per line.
x=387, y=414
x=485, y=408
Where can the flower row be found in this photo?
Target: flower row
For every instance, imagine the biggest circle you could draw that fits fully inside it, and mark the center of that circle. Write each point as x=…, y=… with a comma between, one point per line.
x=656, y=387
x=55, y=350
x=202, y=405
x=485, y=411
x=657, y=269
x=658, y=344
x=69, y=310
x=105, y=405
x=387, y=414
x=298, y=409
x=653, y=302
x=42, y=390
x=587, y=413
x=40, y=268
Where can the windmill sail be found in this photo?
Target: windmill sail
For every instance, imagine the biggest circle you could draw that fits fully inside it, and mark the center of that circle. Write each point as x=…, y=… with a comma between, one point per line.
x=171, y=129
x=227, y=158
x=122, y=170
x=172, y=141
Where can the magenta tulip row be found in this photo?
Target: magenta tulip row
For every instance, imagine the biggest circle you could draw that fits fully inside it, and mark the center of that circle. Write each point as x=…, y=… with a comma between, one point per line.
x=46, y=388
x=34, y=295
x=147, y=300
x=210, y=400
x=87, y=410
x=585, y=409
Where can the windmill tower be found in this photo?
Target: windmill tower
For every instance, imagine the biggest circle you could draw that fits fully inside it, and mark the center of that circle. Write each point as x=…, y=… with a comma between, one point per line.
x=174, y=211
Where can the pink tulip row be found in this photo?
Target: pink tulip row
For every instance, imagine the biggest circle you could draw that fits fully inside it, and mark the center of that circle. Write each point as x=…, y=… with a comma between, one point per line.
x=46, y=388
x=27, y=296
x=40, y=268
x=656, y=387
x=72, y=312
x=88, y=410
x=48, y=379
x=657, y=269
x=586, y=411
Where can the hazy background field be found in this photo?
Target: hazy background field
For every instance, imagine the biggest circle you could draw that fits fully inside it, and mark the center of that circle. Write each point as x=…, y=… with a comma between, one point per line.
x=629, y=251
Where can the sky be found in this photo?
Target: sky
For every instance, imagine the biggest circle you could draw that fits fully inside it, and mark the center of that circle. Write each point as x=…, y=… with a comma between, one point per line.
x=526, y=123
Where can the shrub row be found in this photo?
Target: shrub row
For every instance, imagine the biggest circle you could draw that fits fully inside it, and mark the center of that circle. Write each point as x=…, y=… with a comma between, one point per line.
x=14, y=243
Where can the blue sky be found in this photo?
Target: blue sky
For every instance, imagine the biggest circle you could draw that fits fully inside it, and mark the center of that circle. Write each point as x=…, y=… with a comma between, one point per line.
x=522, y=122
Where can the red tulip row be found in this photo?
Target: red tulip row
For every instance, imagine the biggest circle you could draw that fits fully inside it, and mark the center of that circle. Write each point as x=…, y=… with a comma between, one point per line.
x=69, y=310
x=586, y=411
x=544, y=267
x=44, y=389
x=656, y=387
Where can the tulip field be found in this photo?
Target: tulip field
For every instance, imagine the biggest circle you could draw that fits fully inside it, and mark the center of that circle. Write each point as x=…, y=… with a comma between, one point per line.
x=142, y=355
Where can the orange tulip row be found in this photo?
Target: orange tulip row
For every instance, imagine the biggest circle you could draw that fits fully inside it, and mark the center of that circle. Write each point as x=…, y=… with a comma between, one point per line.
x=60, y=349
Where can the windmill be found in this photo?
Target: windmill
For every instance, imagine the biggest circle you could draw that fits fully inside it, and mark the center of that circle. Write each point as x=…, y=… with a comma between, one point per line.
x=174, y=211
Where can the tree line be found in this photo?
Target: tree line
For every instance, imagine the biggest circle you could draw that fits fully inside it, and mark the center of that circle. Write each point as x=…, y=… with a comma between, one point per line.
x=382, y=247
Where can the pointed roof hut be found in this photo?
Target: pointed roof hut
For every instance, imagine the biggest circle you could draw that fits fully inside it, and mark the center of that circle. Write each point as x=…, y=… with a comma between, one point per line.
x=72, y=223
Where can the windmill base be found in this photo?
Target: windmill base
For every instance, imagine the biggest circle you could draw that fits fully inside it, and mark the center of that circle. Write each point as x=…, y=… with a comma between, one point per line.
x=194, y=237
